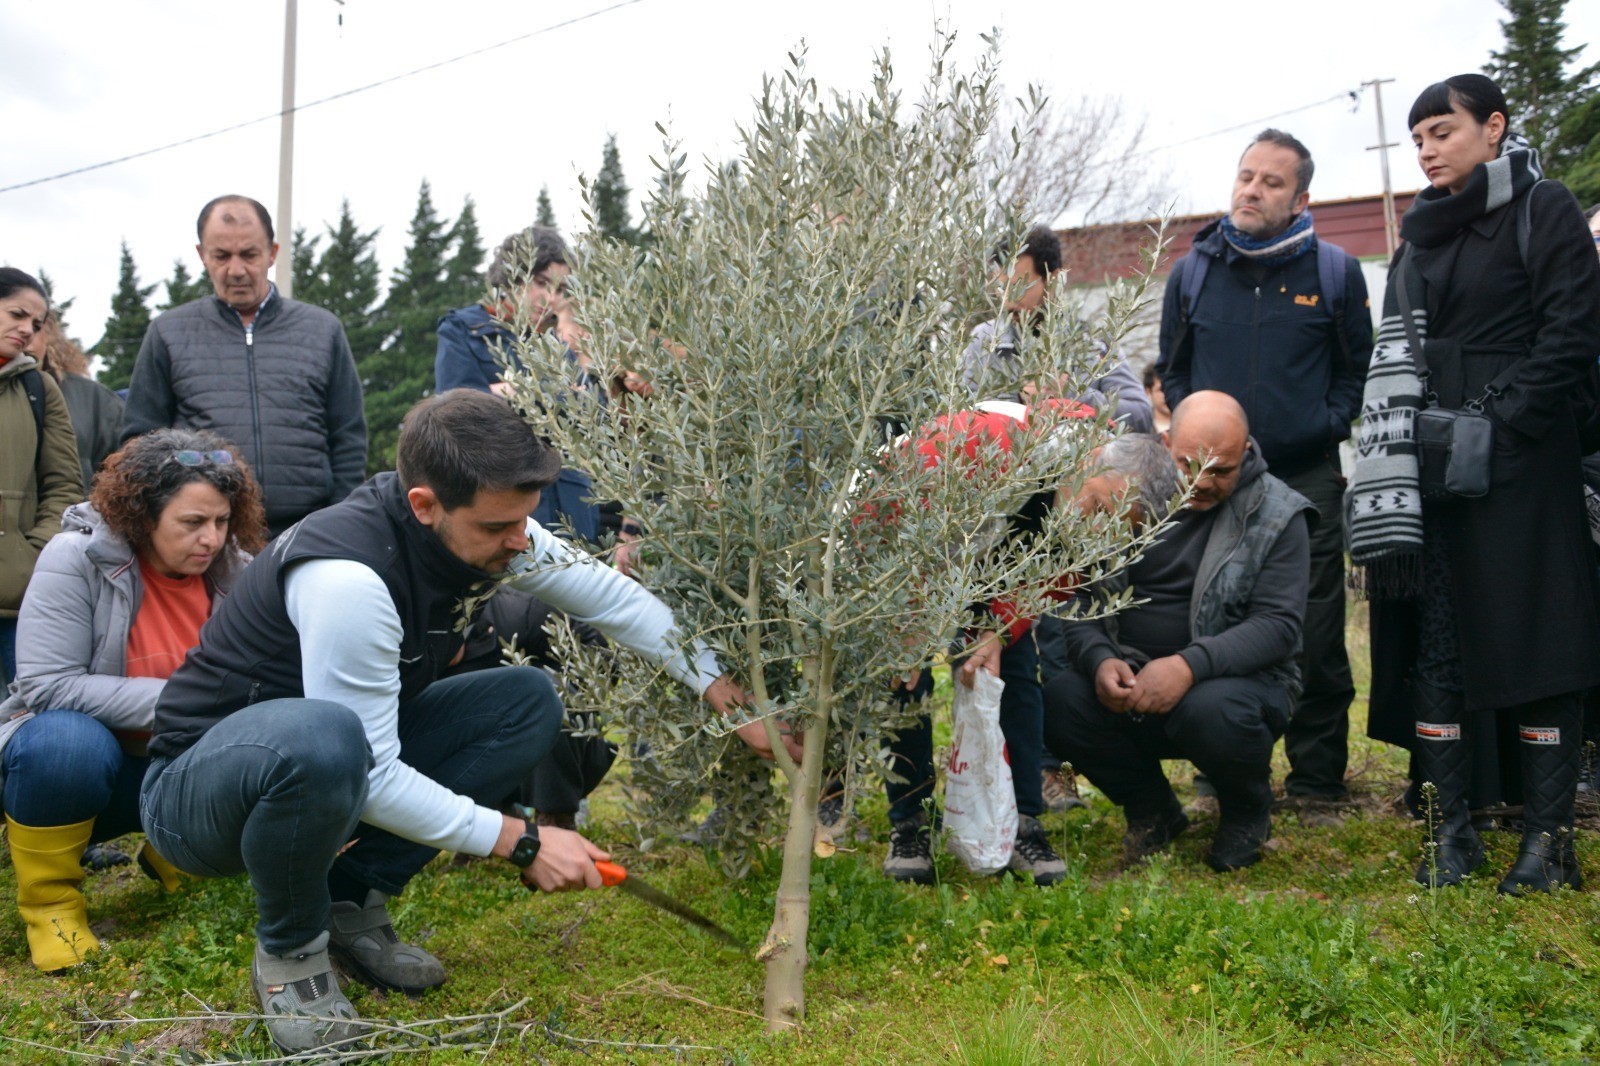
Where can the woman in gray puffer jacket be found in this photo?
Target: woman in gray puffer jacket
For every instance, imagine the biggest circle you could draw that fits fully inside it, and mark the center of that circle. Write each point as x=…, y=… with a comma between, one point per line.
x=116, y=601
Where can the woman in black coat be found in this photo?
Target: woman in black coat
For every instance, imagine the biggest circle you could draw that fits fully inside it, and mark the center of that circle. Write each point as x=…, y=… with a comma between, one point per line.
x=1485, y=609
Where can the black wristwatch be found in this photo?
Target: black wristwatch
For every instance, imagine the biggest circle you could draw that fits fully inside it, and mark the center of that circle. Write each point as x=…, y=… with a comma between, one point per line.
x=526, y=849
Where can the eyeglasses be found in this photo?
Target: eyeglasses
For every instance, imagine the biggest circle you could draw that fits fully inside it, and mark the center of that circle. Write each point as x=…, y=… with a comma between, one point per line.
x=188, y=457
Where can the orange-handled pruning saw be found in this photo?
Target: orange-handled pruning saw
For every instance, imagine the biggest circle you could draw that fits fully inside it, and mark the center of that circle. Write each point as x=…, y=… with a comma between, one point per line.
x=612, y=874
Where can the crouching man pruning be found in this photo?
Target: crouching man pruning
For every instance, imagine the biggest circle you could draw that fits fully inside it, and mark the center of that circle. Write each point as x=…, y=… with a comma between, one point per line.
x=312, y=715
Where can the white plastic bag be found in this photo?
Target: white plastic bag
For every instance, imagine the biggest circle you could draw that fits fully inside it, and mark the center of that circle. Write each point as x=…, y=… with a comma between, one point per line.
x=980, y=804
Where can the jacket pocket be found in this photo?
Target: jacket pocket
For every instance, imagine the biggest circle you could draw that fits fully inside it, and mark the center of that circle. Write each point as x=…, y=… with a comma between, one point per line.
x=17, y=553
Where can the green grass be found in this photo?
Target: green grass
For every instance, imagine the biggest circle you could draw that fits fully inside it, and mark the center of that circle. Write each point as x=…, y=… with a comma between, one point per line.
x=1325, y=952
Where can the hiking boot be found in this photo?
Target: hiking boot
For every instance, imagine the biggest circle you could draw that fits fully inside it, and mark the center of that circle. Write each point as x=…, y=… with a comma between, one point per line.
x=1148, y=835
x=910, y=858
x=301, y=998
x=364, y=939
x=833, y=813
x=1205, y=798
x=1060, y=788
x=1034, y=855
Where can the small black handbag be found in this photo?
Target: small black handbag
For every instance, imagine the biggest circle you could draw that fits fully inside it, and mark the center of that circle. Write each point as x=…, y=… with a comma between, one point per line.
x=1455, y=449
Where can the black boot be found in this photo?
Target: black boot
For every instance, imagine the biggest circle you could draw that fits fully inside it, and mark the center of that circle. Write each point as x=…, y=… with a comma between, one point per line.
x=1244, y=823
x=1451, y=848
x=1549, y=731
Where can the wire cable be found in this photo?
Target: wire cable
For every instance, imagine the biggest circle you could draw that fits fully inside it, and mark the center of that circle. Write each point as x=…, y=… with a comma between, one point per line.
x=324, y=100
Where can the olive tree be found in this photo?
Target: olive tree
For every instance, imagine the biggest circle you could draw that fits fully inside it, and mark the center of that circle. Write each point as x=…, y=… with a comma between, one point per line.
x=759, y=359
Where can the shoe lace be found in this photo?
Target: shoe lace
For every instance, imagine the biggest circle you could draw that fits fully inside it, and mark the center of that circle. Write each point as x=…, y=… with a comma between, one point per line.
x=909, y=842
x=1035, y=846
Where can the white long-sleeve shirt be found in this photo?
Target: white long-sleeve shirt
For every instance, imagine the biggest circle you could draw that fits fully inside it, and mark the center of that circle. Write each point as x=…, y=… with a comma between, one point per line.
x=358, y=666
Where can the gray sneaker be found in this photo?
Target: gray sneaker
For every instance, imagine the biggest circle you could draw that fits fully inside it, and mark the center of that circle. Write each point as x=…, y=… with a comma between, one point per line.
x=910, y=857
x=1034, y=855
x=364, y=939
x=300, y=997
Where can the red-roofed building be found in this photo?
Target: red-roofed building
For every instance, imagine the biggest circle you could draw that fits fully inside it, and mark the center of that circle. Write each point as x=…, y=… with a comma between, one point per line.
x=1096, y=254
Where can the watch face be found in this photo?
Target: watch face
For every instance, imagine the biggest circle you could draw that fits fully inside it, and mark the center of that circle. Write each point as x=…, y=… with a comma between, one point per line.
x=526, y=850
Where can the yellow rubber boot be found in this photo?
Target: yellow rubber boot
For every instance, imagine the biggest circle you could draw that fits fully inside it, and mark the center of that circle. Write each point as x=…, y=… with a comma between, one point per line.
x=52, y=907
x=157, y=868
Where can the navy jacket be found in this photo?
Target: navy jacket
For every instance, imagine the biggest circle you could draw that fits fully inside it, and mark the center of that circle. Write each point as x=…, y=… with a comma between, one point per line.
x=470, y=338
x=1266, y=337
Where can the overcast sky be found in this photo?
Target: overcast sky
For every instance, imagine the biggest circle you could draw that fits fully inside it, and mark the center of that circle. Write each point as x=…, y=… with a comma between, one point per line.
x=85, y=82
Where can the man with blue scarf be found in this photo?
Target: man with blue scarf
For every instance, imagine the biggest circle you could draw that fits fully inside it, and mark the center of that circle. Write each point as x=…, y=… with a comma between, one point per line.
x=1259, y=311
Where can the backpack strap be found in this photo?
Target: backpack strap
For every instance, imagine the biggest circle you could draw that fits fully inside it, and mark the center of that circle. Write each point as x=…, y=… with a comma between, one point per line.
x=1525, y=222
x=1192, y=269
x=1332, y=275
x=33, y=385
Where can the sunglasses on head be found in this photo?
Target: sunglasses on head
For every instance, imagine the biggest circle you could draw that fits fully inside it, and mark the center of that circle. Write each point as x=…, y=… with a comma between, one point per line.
x=189, y=457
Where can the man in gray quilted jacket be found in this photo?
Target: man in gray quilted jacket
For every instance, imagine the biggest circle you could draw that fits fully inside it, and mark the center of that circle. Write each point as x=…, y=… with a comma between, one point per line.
x=273, y=375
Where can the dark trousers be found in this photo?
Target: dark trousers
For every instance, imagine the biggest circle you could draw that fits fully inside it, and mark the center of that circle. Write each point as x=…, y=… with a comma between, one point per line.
x=63, y=767
x=1226, y=726
x=276, y=789
x=1317, y=740
x=1021, y=721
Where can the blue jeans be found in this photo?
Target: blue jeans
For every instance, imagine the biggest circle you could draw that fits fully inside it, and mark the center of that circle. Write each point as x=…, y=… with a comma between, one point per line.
x=63, y=767
x=276, y=789
x=1021, y=722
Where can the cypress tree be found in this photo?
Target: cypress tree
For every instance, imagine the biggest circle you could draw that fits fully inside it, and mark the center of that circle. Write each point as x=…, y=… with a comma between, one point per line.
x=546, y=214
x=125, y=328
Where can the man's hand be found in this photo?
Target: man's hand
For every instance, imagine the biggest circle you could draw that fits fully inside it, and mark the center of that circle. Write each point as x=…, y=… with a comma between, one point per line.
x=1113, y=683
x=1160, y=685
x=725, y=697
x=985, y=655
x=565, y=862
x=623, y=555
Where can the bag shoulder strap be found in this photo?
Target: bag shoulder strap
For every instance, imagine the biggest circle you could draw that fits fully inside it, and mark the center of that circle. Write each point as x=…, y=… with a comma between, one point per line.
x=1404, y=269
x=1525, y=222
x=1193, y=268
x=33, y=385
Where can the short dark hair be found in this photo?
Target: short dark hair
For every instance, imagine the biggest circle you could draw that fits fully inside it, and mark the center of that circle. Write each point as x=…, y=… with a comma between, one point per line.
x=1478, y=96
x=461, y=442
x=1303, y=170
x=1040, y=244
x=524, y=254
x=1592, y=213
x=136, y=482
x=13, y=280
x=233, y=198
x=1150, y=375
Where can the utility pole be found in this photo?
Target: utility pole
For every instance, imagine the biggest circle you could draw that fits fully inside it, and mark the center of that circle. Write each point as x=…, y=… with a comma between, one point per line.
x=1391, y=227
x=284, y=274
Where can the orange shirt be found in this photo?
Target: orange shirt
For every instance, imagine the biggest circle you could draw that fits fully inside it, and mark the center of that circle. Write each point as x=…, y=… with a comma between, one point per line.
x=168, y=623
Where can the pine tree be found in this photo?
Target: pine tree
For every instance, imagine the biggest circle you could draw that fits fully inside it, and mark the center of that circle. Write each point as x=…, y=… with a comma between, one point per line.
x=400, y=372
x=182, y=287
x=608, y=197
x=346, y=282
x=125, y=328
x=1552, y=108
x=303, y=261
x=546, y=215
x=464, y=272
x=59, y=308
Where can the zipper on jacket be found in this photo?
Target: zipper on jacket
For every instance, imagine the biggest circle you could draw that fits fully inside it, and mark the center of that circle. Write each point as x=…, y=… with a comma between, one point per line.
x=1253, y=369
x=255, y=403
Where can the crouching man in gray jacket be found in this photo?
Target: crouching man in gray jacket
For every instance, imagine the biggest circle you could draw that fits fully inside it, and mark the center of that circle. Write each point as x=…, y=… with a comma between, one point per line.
x=1205, y=669
x=313, y=714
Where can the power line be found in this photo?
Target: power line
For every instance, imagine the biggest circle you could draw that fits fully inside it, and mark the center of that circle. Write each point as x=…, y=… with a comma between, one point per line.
x=324, y=100
x=1350, y=94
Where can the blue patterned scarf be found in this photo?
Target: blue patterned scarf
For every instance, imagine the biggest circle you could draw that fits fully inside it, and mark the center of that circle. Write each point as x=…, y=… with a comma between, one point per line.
x=1292, y=243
